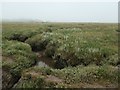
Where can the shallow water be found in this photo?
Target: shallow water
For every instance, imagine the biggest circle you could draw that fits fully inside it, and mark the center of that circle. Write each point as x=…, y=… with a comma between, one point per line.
x=41, y=64
x=44, y=61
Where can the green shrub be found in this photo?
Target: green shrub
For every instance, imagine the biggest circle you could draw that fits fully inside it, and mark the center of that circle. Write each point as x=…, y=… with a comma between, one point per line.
x=51, y=48
x=84, y=47
x=29, y=81
x=18, y=55
x=38, y=42
x=15, y=45
x=109, y=73
x=48, y=71
x=91, y=74
x=19, y=35
x=37, y=82
x=113, y=60
x=88, y=74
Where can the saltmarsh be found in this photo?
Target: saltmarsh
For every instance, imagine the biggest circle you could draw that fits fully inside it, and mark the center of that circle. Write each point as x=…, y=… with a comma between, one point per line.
x=71, y=45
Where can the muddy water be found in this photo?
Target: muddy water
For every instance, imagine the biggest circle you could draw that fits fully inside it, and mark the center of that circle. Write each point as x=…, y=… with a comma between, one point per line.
x=44, y=61
x=41, y=64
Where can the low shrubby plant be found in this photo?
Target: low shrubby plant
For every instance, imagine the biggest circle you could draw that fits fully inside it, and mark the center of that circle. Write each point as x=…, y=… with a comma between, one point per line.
x=89, y=74
x=81, y=53
x=17, y=56
x=38, y=42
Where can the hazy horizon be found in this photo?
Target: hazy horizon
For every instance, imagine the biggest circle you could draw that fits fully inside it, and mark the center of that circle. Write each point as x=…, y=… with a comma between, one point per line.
x=101, y=12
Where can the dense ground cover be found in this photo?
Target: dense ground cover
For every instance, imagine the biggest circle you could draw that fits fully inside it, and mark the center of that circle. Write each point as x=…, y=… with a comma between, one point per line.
x=82, y=54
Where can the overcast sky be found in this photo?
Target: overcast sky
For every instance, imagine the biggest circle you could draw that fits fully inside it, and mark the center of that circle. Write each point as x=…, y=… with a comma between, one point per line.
x=61, y=11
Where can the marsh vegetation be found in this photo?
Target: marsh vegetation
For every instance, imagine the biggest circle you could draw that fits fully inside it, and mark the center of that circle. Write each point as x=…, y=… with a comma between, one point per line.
x=59, y=55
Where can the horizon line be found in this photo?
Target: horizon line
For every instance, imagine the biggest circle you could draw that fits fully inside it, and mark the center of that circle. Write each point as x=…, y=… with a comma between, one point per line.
x=38, y=20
